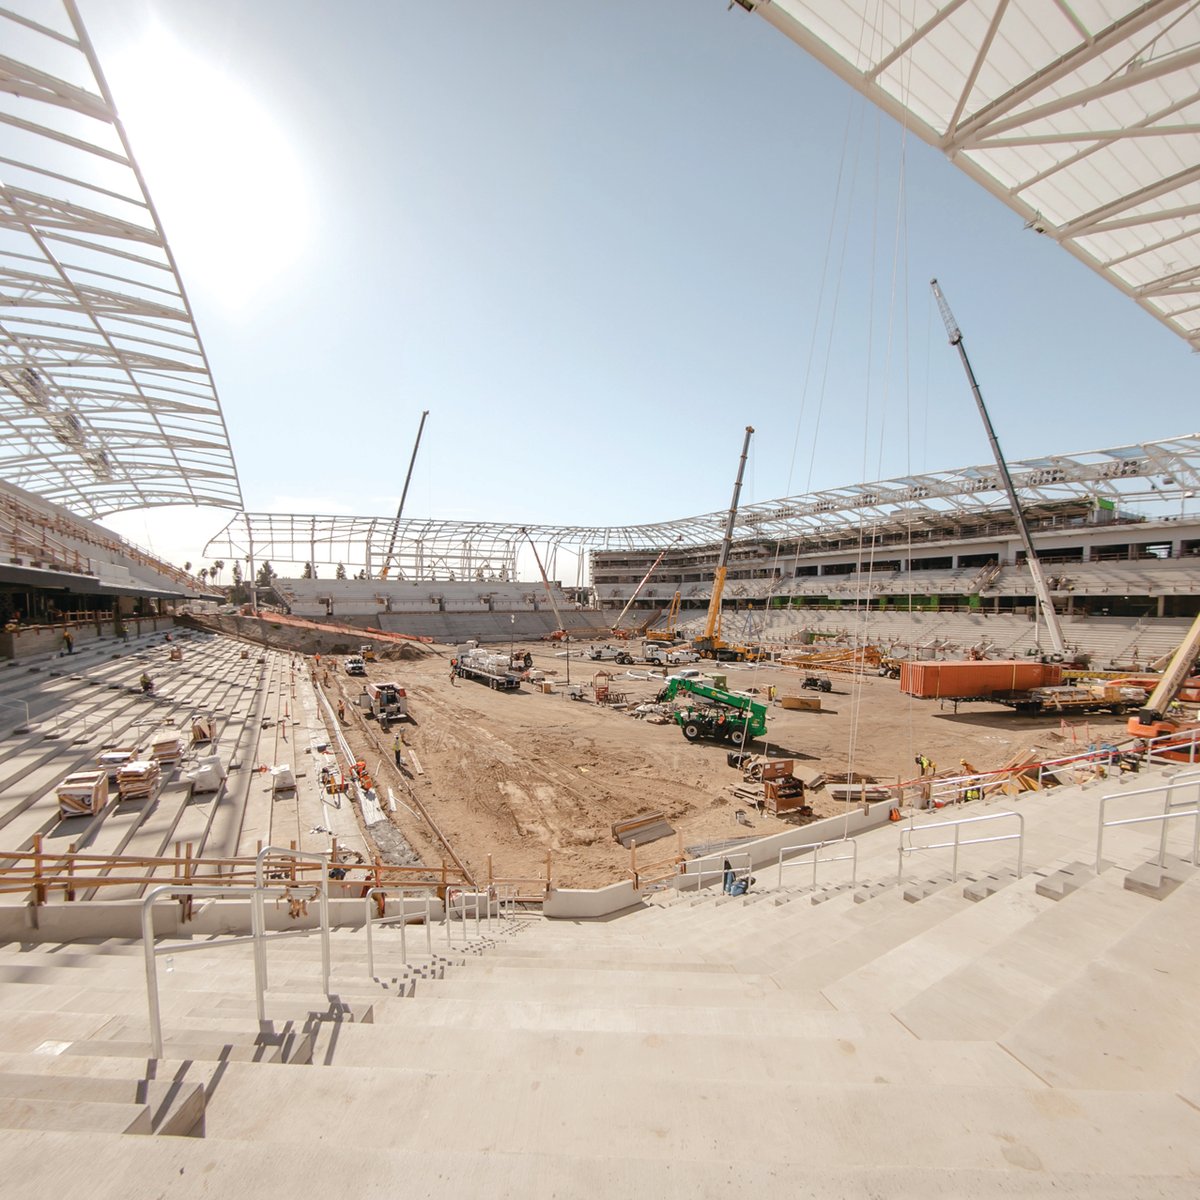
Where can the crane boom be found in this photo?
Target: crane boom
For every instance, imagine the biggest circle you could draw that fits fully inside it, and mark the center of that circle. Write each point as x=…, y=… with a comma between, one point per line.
x=712, y=625
x=645, y=579
x=387, y=558
x=561, y=630
x=1152, y=720
x=1035, y=567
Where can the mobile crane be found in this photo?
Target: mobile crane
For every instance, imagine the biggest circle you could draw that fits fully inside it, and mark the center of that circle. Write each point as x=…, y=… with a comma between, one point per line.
x=560, y=633
x=727, y=717
x=667, y=634
x=628, y=633
x=709, y=643
x=1045, y=603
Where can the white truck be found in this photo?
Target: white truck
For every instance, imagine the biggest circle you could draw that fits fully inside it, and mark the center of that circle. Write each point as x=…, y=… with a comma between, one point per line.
x=607, y=653
x=354, y=665
x=386, y=702
x=668, y=656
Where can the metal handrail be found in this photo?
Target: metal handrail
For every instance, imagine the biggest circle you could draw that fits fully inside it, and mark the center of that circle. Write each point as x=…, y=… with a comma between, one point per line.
x=700, y=872
x=1181, y=780
x=1018, y=837
x=258, y=912
x=817, y=859
x=402, y=918
x=1174, y=742
x=151, y=951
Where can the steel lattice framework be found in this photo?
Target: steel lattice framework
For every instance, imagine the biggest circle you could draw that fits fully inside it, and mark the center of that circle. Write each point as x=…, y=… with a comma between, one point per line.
x=106, y=400
x=440, y=550
x=1083, y=116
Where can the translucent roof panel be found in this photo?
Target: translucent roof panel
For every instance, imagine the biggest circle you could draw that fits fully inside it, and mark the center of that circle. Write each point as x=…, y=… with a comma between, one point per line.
x=1082, y=115
x=106, y=401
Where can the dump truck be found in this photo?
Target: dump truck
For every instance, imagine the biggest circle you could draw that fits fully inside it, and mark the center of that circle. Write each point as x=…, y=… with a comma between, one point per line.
x=473, y=662
x=718, y=716
x=386, y=702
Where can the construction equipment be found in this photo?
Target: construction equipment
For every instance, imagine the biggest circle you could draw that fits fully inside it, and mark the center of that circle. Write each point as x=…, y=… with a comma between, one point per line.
x=387, y=558
x=473, y=662
x=667, y=634
x=1045, y=603
x=559, y=634
x=1153, y=720
x=709, y=643
x=367, y=652
x=385, y=702
x=617, y=630
x=725, y=717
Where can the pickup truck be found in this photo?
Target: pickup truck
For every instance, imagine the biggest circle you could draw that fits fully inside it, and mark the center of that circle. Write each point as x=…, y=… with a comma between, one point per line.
x=354, y=665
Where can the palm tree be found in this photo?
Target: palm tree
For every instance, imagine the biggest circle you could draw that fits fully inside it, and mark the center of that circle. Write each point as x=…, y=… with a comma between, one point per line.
x=217, y=568
x=202, y=575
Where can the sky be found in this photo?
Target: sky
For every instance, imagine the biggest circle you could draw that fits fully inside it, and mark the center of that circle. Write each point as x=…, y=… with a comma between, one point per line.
x=595, y=241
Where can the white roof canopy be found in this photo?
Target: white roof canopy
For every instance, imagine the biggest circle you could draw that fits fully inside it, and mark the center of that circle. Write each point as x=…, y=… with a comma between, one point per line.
x=106, y=402
x=1083, y=116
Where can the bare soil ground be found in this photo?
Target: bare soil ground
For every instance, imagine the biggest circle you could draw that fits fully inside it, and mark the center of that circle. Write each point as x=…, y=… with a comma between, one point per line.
x=517, y=774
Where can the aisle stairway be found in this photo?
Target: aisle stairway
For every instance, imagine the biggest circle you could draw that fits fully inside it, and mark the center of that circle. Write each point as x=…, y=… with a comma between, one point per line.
x=866, y=1044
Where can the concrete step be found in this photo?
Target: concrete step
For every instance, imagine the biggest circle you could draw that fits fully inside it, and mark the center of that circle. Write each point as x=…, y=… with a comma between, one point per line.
x=142, y=1168
x=204, y=1038
x=22, y=1112
x=884, y=1055
x=174, y=1108
x=1006, y=981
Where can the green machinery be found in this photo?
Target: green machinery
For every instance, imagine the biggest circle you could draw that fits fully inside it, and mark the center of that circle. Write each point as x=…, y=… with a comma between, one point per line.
x=726, y=717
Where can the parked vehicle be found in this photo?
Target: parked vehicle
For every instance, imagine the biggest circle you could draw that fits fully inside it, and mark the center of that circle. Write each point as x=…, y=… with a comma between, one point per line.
x=386, y=702
x=354, y=665
x=606, y=653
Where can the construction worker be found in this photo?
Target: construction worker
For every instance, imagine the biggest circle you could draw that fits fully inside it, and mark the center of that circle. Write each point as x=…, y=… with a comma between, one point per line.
x=68, y=642
x=342, y=711
x=454, y=671
x=398, y=749
x=147, y=684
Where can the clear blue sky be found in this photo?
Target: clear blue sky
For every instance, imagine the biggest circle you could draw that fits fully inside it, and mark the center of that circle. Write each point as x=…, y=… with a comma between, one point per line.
x=595, y=241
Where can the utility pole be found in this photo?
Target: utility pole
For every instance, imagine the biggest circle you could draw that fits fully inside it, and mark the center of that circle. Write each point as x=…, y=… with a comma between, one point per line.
x=1045, y=603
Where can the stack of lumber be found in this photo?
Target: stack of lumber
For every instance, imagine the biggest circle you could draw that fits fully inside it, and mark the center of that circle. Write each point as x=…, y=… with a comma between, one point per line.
x=204, y=728
x=166, y=748
x=646, y=827
x=83, y=794
x=138, y=780
x=114, y=758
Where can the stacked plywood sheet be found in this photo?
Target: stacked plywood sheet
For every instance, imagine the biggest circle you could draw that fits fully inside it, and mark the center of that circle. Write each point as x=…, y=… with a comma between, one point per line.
x=138, y=780
x=204, y=728
x=83, y=794
x=166, y=748
x=114, y=758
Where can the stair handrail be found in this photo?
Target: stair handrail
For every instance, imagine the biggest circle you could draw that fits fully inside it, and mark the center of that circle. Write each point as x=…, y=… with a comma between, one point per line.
x=369, y=920
x=1168, y=814
x=258, y=911
x=908, y=831
x=816, y=849
x=151, y=951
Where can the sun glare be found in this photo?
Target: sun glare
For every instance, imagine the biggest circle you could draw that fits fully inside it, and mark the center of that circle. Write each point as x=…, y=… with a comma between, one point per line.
x=229, y=186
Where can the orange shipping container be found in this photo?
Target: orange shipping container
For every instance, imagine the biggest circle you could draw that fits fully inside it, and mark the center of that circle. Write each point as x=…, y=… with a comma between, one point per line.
x=973, y=680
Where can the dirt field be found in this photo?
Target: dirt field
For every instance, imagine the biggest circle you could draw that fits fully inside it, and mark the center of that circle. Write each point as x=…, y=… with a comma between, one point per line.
x=515, y=774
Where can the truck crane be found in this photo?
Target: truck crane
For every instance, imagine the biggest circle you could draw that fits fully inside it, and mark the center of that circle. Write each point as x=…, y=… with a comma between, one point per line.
x=709, y=643
x=560, y=633
x=1154, y=720
x=1053, y=629
x=626, y=633
x=726, y=717
x=667, y=634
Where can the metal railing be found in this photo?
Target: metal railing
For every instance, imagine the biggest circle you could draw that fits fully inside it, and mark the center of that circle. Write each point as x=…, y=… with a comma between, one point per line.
x=1168, y=814
x=816, y=849
x=259, y=912
x=700, y=871
x=457, y=903
x=956, y=842
x=151, y=951
x=402, y=918
x=1167, y=748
